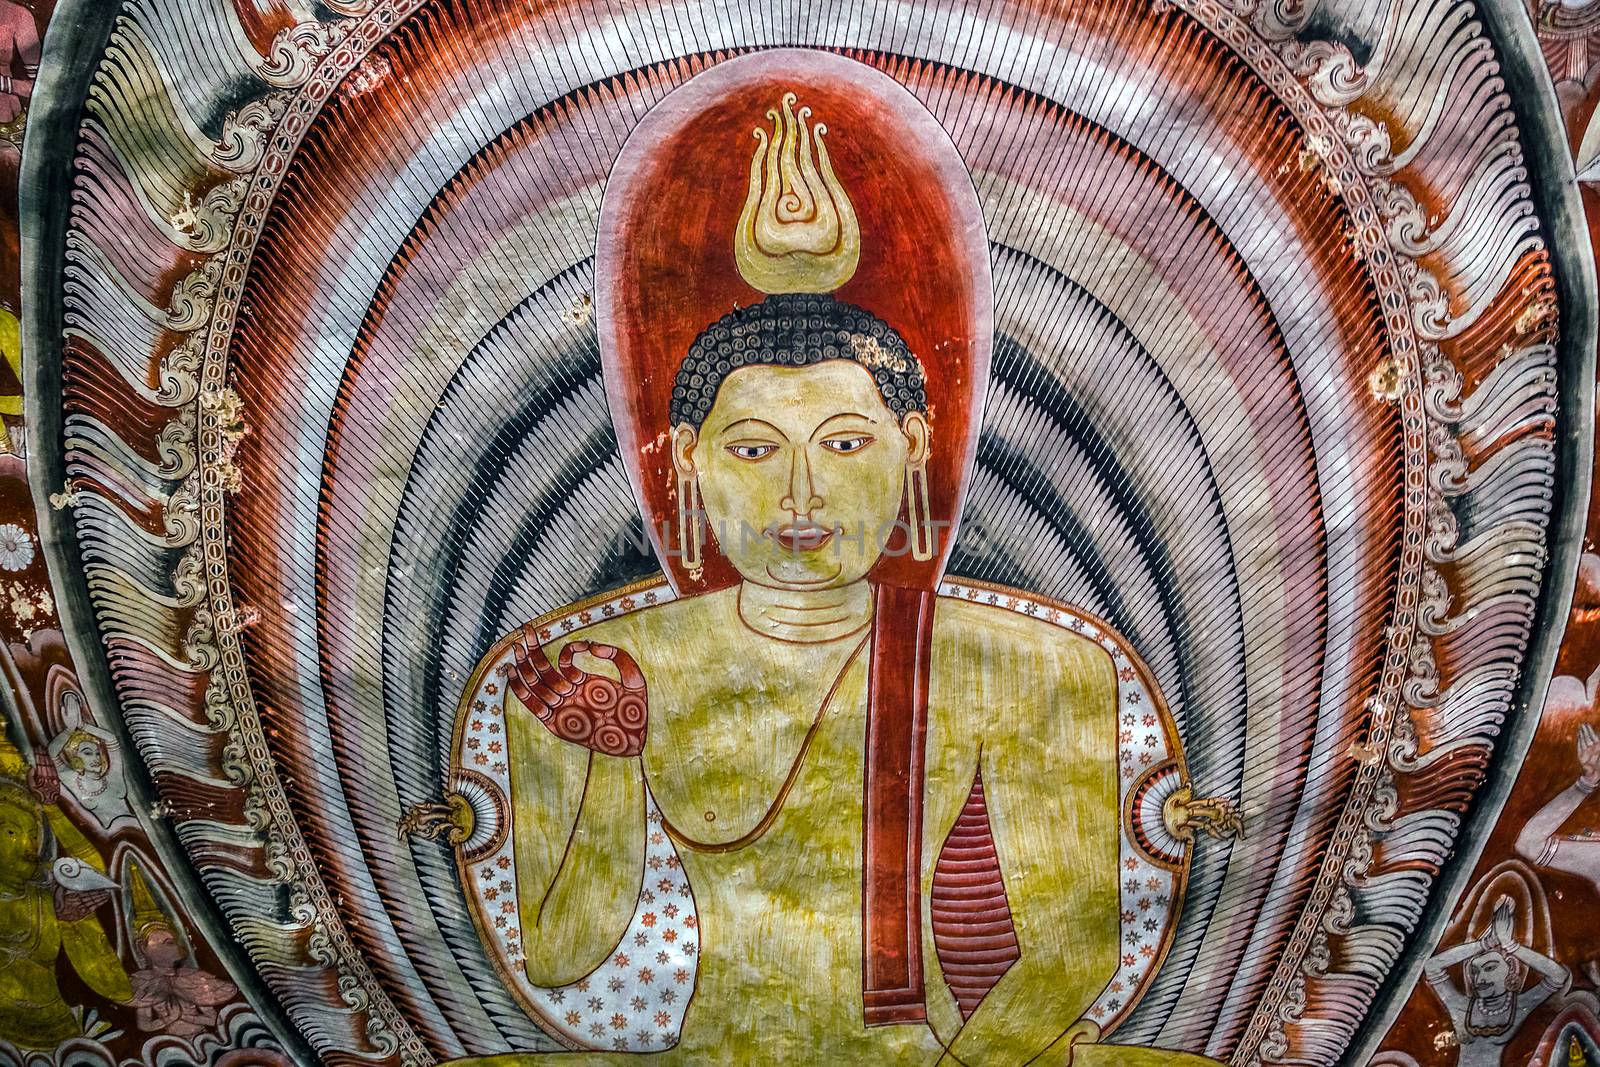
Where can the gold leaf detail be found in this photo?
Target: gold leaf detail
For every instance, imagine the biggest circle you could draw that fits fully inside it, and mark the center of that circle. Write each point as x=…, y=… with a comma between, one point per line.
x=798, y=231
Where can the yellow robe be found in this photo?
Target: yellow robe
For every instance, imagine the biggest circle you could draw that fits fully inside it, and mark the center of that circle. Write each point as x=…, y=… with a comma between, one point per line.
x=780, y=973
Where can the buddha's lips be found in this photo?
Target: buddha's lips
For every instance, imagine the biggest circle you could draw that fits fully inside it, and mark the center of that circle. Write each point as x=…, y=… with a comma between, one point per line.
x=801, y=537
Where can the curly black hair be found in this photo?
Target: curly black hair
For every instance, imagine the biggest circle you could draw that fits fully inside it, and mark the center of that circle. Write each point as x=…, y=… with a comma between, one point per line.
x=797, y=330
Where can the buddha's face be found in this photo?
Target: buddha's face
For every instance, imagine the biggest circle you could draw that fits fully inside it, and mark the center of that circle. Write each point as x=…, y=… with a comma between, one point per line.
x=20, y=842
x=801, y=472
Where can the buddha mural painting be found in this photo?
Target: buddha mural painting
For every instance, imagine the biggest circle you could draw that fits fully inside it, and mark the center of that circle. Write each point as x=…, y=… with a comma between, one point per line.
x=805, y=800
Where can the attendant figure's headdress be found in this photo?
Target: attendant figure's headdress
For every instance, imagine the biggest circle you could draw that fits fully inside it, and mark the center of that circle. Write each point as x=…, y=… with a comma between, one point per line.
x=144, y=914
x=77, y=736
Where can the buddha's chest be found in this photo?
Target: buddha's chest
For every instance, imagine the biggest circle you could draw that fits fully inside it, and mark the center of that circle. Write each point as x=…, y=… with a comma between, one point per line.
x=769, y=797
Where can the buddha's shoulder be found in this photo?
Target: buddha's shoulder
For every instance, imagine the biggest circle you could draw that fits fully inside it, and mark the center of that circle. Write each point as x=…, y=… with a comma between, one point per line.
x=645, y=625
x=994, y=633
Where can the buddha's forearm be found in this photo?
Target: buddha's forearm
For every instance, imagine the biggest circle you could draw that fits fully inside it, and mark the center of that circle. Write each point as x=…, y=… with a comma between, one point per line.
x=571, y=922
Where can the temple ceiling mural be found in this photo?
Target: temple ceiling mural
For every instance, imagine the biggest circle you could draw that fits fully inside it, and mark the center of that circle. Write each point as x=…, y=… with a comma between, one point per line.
x=604, y=531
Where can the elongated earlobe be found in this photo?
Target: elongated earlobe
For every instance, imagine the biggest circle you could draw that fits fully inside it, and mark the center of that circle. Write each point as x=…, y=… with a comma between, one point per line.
x=919, y=512
x=690, y=531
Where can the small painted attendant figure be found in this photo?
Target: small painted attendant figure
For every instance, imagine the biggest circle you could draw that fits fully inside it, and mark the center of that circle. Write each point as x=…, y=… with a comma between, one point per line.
x=172, y=996
x=88, y=763
x=1495, y=995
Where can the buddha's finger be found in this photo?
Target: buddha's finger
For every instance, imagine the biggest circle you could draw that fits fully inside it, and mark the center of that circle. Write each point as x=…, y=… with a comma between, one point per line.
x=548, y=675
x=523, y=676
x=632, y=677
x=530, y=683
x=546, y=700
x=564, y=665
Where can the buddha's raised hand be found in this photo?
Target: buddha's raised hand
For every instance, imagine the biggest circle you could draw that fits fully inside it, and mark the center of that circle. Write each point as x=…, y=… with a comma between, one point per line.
x=606, y=715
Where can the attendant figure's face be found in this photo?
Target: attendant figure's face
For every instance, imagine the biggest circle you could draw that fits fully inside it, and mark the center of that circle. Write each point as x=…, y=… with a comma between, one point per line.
x=161, y=948
x=20, y=843
x=801, y=471
x=1491, y=1009
x=87, y=757
x=1488, y=975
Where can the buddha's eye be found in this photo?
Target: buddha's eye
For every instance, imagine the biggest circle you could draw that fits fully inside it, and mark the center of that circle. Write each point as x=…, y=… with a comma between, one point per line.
x=752, y=452
x=847, y=445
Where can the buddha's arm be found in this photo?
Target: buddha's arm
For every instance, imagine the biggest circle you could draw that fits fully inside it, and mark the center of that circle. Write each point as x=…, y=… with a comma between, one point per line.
x=1049, y=775
x=95, y=960
x=580, y=835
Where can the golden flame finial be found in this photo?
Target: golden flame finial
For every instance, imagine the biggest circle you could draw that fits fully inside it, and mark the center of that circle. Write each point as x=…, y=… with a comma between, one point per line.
x=798, y=231
x=146, y=912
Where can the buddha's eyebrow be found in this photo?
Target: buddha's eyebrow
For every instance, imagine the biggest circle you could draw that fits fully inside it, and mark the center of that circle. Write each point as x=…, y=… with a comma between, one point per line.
x=831, y=419
x=764, y=424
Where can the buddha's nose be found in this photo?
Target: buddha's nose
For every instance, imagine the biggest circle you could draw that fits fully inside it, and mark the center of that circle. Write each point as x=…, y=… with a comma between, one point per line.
x=802, y=498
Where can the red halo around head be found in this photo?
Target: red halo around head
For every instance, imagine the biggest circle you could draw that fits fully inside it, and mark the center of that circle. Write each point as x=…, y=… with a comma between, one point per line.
x=665, y=266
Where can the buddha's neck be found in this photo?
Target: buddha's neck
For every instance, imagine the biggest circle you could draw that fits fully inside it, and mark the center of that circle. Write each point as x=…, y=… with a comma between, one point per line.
x=807, y=616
